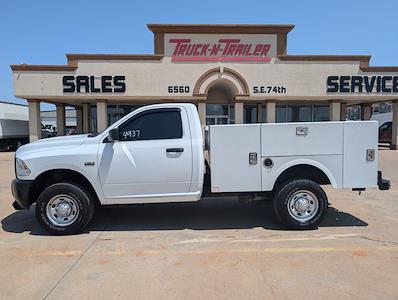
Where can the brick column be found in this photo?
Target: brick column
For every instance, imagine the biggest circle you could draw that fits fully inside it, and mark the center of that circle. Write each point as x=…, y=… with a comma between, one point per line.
x=259, y=112
x=102, y=116
x=238, y=112
x=271, y=111
x=366, y=111
x=60, y=119
x=394, y=136
x=202, y=114
x=86, y=118
x=34, y=120
x=334, y=111
x=343, y=109
x=79, y=120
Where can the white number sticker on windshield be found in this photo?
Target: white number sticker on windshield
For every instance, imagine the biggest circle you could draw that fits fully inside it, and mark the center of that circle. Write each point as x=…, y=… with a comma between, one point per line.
x=131, y=134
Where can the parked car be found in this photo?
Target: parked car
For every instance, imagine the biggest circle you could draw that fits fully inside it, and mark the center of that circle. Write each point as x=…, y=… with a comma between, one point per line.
x=47, y=133
x=156, y=154
x=385, y=133
x=71, y=131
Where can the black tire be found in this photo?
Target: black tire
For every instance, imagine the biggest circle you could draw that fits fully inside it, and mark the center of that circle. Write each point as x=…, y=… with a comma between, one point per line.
x=83, y=199
x=286, y=191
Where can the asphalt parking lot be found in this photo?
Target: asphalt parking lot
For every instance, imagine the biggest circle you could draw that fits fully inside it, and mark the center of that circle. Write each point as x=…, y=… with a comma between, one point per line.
x=214, y=249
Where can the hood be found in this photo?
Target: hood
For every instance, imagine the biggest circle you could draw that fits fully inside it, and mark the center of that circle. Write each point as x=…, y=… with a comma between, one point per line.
x=53, y=142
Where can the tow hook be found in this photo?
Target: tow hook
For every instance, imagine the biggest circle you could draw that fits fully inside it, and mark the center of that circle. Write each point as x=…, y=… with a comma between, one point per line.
x=384, y=184
x=16, y=205
x=359, y=190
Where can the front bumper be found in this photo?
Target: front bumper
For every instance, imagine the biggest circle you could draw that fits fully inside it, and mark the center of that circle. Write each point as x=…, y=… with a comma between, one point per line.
x=384, y=184
x=21, y=191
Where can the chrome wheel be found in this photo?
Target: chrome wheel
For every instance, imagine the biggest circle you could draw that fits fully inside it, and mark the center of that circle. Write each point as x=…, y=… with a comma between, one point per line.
x=303, y=205
x=62, y=210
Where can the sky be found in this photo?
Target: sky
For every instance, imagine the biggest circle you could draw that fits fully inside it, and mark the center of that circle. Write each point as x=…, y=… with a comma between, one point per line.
x=42, y=31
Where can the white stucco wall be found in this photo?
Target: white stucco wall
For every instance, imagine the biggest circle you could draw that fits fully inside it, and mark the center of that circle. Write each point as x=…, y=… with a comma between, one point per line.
x=144, y=78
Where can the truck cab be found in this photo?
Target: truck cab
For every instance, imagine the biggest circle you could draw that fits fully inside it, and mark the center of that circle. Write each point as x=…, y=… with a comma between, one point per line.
x=156, y=155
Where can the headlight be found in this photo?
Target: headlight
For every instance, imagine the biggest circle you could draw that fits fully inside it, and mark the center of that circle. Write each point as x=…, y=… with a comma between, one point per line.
x=21, y=168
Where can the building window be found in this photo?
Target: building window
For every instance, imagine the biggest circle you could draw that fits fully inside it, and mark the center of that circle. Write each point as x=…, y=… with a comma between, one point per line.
x=280, y=113
x=218, y=114
x=118, y=111
x=124, y=109
x=320, y=113
x=112, y=113
x=263, y=114
x=115, y=113
x=302, y=113
x=381, y=108
x=254, y=113
x=93, y=118
x=298, y=113
x=250, y=113
x=353, y=113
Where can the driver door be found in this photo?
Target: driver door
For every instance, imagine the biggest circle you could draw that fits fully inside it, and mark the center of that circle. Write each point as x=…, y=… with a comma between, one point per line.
x=151, y=162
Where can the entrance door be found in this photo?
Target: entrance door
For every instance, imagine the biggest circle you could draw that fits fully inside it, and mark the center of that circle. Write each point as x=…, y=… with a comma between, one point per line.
x=220, y=114
x=152, y=159
x=217, y=120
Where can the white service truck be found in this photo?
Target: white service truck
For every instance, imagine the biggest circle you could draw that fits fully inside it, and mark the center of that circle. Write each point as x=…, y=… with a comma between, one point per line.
x=156, y=154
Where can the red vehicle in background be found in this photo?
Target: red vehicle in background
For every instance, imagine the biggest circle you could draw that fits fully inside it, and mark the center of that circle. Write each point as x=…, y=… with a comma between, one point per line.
x=385, y=133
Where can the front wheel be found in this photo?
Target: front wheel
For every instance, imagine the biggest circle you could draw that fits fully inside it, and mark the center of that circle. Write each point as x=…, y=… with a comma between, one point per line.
x=300, y=204
x=64, y=208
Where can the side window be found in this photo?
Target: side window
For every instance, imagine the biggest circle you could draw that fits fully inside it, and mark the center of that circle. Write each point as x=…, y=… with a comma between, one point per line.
x=386, y=125
x=152, y=125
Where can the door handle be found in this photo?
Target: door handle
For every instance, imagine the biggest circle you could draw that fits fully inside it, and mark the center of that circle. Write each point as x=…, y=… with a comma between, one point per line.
x=174, y=150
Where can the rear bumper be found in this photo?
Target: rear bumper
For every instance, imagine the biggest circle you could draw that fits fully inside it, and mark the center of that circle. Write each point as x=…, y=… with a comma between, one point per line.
x=383, y=184
x=21, y=192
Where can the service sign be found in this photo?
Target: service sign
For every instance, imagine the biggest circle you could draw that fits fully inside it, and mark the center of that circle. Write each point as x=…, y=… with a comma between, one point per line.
x=362, y=84
x=226, y=47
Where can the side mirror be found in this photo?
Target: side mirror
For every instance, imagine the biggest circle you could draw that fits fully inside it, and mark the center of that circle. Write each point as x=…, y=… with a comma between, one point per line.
x=113, y=135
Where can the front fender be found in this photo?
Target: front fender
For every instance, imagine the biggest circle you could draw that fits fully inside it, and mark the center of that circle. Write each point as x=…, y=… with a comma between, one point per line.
x=81, y=159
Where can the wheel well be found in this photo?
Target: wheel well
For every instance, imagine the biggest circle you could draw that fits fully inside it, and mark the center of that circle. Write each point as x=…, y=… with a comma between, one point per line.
x=60, y=175
x=303, y=172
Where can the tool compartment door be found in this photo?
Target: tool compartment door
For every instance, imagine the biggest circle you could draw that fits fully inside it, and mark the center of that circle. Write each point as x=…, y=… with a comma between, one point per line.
x=358, y=170
x=317, y=138
x=230, y=146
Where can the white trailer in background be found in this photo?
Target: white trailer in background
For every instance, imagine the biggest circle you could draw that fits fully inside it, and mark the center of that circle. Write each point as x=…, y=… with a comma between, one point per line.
x=14, y=125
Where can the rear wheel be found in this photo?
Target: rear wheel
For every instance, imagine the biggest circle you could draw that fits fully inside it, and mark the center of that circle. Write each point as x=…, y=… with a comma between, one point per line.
x=300, y=204
x=64, y=208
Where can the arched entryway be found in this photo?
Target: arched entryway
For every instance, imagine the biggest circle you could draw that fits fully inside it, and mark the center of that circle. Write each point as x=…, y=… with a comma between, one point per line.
x=235, y=80
x=220, y=104
x=220, y=89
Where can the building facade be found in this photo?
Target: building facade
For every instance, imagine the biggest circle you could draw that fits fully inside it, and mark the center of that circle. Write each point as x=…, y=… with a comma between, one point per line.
x=233, y=73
